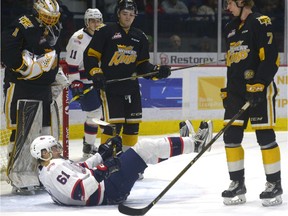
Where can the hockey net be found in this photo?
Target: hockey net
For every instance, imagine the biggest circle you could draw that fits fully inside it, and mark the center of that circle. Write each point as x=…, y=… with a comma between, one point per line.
x=63, y=106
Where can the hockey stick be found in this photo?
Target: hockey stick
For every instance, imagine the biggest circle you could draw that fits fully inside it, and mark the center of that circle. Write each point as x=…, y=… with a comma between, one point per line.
x=101, y=122
x=78, y=96
x=143, y=75
x=155, y=72
x=142, y=211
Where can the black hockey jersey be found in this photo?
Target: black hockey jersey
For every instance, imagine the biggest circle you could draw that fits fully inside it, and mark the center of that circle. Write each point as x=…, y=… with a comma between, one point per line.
x=251, y=52
x=120, y=55
x=25, y=33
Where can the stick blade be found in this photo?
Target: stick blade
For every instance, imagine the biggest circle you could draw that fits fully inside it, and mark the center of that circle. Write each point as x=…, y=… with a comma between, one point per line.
x=100, y=122
x=132, y=211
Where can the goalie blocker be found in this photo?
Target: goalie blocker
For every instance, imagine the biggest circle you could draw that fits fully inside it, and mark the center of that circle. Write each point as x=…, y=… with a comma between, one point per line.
x=22, y=168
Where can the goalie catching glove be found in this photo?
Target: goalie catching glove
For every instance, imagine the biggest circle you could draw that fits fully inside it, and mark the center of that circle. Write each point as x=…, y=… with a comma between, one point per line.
x=255, y=92
x=33, y=66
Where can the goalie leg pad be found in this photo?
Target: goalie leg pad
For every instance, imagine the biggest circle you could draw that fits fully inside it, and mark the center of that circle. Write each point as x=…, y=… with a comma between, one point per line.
x=22, y=167
x=61, y=82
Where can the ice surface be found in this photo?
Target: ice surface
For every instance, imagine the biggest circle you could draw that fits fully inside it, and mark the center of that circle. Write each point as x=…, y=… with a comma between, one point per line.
x=198, y=192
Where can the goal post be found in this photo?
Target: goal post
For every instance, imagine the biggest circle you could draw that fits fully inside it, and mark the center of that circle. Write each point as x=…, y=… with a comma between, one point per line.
x=65, y=113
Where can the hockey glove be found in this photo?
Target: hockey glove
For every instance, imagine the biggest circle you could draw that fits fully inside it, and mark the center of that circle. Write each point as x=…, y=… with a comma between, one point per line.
x=77, y=88
x=223, y=96
x=255, y=92
x=164, y=71
x=106, y=150
x=98, y=78
x=103, y=171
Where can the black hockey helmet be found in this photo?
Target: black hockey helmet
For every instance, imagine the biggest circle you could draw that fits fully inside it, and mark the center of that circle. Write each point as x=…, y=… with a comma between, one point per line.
x=249, y=3
x=126, y=4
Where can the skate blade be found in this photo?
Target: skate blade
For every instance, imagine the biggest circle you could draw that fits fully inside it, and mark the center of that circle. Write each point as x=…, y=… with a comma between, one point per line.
x=240, y=199
x=272, y=202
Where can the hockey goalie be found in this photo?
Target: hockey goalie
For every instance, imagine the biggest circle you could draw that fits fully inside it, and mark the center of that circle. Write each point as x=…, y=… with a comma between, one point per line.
x=29, y=51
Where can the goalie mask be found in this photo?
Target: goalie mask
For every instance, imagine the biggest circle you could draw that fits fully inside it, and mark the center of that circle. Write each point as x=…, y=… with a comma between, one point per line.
x=47, y=11
x=92, y=14
x=44, y=143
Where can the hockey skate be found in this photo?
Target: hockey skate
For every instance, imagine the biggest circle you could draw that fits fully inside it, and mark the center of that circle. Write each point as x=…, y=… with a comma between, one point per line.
x=88, y=149
x=271, y=196
x=235, y=194
x=186, y=128
x=203, y=135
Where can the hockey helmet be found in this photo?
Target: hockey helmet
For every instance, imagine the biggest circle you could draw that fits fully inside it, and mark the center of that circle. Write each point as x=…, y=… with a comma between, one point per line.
x=126, y=4
x=239, y=3
x=47, y=11
x=43, y=143
x=92, y=13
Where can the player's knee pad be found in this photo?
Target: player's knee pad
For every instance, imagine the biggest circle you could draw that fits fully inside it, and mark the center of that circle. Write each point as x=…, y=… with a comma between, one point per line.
x=93, y=114
x=265, y=137
x=234, y=134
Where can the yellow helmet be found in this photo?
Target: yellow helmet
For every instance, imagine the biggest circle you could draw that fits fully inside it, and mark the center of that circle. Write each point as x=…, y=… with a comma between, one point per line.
x=47, y=11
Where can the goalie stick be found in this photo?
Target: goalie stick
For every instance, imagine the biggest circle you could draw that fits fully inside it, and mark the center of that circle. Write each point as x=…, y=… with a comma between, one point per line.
x=142, y=211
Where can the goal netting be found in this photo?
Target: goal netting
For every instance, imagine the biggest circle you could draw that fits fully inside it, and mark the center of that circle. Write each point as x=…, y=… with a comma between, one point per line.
x=63, y=106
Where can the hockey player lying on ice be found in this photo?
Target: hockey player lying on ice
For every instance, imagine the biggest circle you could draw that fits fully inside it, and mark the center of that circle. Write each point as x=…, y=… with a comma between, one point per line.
x=105, y=179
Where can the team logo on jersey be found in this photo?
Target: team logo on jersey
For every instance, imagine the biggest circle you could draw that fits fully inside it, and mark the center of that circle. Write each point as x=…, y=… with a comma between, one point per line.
x=117, y=35
x=80, y=37
x=231, y=33
x=124, y=54
x=249, y=74
x=264, y=20
x=237, y=52
x=26, y=22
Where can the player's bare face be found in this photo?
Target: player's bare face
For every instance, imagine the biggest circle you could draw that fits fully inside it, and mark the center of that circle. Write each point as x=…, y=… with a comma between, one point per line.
x=55, y=151
x=45, y=154
x=233, y=8
x=126, y=18
x=93, y=24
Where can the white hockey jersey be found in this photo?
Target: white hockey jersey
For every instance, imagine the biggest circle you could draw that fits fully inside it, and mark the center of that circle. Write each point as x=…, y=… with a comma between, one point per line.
x=69, y=183
x=74, y=56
